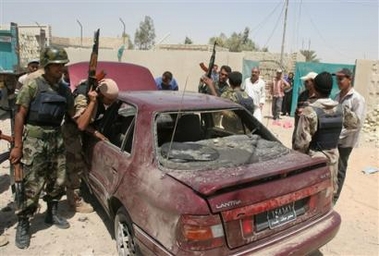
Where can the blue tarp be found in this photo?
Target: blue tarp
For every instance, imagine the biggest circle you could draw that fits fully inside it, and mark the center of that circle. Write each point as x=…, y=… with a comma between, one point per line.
x=303, y=68
x=247, y=65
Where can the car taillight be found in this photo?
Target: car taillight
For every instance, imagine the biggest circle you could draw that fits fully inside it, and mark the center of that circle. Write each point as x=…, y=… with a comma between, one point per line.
x=247, y=225
x=199, y=233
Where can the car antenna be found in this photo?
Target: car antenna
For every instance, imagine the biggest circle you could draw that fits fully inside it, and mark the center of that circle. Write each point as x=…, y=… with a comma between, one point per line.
x=177, y=119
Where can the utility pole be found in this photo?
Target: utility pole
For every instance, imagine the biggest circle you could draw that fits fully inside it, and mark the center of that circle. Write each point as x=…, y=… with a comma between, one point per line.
x=123, y=31
x=81, y=32
x=40, y=35
x=284, y=33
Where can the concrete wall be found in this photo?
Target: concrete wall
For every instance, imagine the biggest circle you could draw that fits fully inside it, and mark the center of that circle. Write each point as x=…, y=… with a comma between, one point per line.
x=183, y=64
x=366, y=82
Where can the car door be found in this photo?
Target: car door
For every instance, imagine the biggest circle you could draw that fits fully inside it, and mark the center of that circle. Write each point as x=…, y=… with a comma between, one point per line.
x=111, y=159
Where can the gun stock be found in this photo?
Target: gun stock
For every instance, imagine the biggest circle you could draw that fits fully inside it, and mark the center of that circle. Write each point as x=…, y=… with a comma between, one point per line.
x=19, y=195
x=92, y=81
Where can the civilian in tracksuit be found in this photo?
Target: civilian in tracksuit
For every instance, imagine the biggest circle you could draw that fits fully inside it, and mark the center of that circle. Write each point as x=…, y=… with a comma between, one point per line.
x=349, y=139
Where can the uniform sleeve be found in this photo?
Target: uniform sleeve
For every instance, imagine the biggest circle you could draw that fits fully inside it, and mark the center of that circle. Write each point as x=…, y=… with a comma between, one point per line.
x=27, y=93
x=306, y=128
x=80, y=105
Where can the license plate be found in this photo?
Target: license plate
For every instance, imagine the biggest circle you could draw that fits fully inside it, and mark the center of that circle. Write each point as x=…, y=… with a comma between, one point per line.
x=281, y=216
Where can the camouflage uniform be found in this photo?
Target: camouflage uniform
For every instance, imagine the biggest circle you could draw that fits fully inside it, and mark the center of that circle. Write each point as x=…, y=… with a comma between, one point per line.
x=76, y=165
x=43, y=158
x=230, y=94
x=219, y=87
x=230, y=121
x=307, y=128
x=75, y=160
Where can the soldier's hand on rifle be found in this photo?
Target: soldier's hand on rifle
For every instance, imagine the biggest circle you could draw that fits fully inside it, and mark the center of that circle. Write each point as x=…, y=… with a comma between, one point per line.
x=92, y=96
x=16, y=154
x=208, y=81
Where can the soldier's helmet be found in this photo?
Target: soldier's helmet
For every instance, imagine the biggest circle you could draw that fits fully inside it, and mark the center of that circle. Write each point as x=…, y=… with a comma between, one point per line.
x=53, y=54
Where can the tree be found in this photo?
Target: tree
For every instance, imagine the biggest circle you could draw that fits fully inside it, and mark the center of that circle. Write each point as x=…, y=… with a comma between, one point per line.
x=310, y=56
x=130, y=43
x=145, y=35
x=237, y=42
x=188, y=40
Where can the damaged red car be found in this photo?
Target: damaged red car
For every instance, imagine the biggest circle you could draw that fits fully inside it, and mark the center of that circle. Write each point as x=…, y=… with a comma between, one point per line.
x=192, y=174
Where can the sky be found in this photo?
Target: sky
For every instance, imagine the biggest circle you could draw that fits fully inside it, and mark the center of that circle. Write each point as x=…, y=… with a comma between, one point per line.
x=339, y=31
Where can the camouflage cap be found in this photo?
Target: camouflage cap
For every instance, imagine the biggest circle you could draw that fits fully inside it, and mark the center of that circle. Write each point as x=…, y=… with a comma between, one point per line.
x=53, y=54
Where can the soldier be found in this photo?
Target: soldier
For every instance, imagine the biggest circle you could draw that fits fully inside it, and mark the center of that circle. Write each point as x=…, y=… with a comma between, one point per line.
x=38, y=143
x=87, y=111
x=320, y=124
x=75, y=167
x=221, y=84
x=235, y=94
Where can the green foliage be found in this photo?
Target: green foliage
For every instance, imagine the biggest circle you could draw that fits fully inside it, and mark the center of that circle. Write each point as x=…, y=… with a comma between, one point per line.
x=237, y=42
x=188, y=40
x=310, y=56
x=145, y=35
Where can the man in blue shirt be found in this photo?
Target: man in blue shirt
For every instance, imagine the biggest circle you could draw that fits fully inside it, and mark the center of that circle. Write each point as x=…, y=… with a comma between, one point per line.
x=166, y=82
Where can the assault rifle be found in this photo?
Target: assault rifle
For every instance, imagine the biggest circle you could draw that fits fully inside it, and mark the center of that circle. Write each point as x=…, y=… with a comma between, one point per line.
x=203, y=87
x=16, y=172
x=92, y=81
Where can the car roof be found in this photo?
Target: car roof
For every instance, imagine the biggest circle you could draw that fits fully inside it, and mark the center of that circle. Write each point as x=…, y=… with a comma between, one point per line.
x=175, y=100
x=129, y=77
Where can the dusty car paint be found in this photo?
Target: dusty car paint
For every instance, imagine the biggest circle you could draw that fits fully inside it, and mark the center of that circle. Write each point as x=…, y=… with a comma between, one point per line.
x=127, y=76
x=231, y=202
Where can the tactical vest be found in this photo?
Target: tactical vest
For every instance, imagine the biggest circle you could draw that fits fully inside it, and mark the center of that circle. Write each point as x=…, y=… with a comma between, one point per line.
x=48, y=107
x=328, y=129
x=80, y=89
x=246, y=102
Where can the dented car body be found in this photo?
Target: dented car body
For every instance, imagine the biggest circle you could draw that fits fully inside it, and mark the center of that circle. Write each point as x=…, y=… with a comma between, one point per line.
x=193, y=174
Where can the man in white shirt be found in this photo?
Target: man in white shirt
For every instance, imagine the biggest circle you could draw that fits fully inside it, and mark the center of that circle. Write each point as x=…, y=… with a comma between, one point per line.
x=255, y=87
x=32, y=66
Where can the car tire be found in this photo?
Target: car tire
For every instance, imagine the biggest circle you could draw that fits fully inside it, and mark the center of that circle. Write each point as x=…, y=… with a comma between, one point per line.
x=124, y=234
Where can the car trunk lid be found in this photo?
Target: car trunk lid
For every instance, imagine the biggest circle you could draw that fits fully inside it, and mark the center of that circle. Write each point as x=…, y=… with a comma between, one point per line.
x=258, y=200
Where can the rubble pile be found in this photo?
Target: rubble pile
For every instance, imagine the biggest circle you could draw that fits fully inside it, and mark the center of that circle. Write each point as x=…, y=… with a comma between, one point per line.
x=371, y=126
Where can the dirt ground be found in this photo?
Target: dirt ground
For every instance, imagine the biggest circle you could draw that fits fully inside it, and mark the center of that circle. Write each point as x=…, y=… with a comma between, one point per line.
x=91, y=234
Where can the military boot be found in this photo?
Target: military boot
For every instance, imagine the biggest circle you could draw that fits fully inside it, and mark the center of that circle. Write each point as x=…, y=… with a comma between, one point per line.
x=77, y=203
x=22, y=233
x=52, y=216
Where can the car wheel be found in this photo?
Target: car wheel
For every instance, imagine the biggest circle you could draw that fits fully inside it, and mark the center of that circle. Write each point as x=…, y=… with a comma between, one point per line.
x=124, y=235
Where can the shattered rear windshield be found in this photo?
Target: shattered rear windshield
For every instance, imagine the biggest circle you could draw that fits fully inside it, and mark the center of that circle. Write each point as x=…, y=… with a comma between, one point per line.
x=212, y=139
